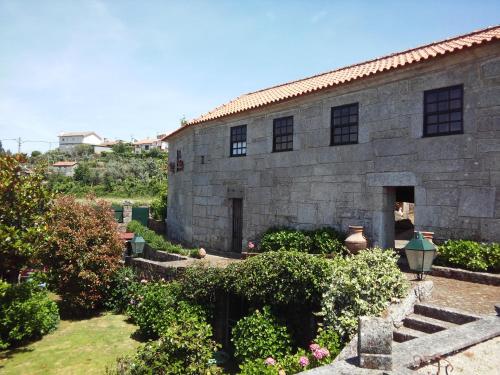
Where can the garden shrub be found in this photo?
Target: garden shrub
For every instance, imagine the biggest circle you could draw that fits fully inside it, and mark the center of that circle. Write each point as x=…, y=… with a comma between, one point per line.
x=26, y=313
x=185, y=347
x=329, y=339
x=361, y=285
x=320, y=241
x=259, y=367
x=470, y=255
x=285, y=240
x=152, y=306
x=201, y=284
x=155, y=241
x=259, y=335
x=84, y=252
x=24, y=202
x=280, y=278
x=159, y=205
x=123, y=286
x=327, y=241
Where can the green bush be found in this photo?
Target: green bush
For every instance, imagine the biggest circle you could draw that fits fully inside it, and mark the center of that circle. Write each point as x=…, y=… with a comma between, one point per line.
x=200, y=284
x=361, y=285
x=327, y=241
x=328, y=338
x=159, y=205
x=259, y=335
x=26, y=313
x=280, y=278
x=124, y=285
x=320, y=241
x=153, y=305
x=470, y=255
x=285, y=240
x=259, y=367
x=184, y=348
x=154, y=240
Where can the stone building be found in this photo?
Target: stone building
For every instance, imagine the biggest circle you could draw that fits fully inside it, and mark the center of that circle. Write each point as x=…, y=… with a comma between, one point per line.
x=65, y=168
x=338, y=149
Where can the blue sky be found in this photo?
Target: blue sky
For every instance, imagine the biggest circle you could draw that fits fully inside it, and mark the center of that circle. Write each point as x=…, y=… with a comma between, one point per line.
x=134, y=68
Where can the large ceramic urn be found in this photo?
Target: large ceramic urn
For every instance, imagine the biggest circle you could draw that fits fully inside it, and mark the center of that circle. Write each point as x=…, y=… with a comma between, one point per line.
x=356, y=241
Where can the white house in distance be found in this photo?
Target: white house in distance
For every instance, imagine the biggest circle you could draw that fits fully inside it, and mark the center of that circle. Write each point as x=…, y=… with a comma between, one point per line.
x=66, y=168
x=68, y=140
x=148, y=144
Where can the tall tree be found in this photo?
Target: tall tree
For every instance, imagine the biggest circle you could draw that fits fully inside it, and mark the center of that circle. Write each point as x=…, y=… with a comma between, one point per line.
x=24, y=203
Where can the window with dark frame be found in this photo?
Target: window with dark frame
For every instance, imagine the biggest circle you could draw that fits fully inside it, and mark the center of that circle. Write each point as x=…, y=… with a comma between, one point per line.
x=238, y=140
x=283, y=134
x=344, y=125
x=443, y=111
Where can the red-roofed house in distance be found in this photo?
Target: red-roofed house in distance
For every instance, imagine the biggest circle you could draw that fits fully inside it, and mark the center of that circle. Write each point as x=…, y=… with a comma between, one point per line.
x=65, y=168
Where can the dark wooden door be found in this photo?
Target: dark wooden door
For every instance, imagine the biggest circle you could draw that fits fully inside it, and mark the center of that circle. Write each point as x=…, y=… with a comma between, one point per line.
x=237, y=225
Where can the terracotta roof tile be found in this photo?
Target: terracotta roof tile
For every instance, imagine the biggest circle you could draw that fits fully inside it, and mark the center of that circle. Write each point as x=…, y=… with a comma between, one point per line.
x=347, y=74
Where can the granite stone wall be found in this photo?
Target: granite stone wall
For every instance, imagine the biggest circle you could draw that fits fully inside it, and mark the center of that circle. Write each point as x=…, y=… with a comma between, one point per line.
x=456, y=178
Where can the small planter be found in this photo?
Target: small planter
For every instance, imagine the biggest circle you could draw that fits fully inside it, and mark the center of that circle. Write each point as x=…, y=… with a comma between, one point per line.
x=356, y=241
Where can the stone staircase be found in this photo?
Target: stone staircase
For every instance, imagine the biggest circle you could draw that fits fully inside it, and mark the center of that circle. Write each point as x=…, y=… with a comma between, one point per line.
x=427, y=319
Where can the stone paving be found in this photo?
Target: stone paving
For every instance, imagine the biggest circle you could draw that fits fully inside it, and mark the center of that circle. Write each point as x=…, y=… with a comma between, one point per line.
x=463, y=295
x=480, y=359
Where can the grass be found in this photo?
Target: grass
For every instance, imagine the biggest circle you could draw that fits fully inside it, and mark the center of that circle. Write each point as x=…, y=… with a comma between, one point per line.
x=76, y=347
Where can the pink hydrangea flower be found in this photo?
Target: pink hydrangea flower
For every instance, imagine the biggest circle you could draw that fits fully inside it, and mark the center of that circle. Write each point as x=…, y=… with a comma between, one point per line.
x=270, y=361
x=251, y=245
x=314, y=347
x=303, y=361
x=321, y=353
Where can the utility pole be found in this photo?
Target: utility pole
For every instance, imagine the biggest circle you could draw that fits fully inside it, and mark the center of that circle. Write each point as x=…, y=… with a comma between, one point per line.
x=19, y=145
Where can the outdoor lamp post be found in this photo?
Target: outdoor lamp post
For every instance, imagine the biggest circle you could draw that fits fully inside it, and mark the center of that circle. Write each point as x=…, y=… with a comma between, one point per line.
x=420, y=253
x=137, y=244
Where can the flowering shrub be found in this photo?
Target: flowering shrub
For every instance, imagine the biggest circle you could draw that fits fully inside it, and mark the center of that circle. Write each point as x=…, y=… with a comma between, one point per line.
x=84, y=252
x=279, y=278
x=361, y=285
x=185, y=347
x=259, y=335
x=123, y=286
x=330, y=340
x=470, y=255
x=320, y=241
x=26, y=313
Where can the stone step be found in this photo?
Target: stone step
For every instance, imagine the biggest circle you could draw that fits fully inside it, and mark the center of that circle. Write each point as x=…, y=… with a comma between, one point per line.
x=426, y=324
x=445, y=313
x=403, y=334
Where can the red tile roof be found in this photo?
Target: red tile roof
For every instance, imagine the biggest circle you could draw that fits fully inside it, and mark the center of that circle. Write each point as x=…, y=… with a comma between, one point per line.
x=64, y=164
x=350, y=73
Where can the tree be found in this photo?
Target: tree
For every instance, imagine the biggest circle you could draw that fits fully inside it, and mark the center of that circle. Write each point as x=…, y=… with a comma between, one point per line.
x=2, y=151
x=183, y=121
x=84, y=252
x=122, y=148
x=35, y=153
x=24, y=202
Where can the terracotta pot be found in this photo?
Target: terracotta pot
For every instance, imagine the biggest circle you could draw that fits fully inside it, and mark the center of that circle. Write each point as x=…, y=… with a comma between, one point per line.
x=428, y=235
x=356, y=241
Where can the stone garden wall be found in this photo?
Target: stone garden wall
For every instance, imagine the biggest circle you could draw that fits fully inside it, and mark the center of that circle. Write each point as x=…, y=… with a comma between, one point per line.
x=456, y=177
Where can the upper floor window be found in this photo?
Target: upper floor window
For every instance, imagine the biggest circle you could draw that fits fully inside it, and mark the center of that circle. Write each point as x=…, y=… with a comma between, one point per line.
x=283, y=134
x=344, y=124
x=239, y=140
x=443, y=111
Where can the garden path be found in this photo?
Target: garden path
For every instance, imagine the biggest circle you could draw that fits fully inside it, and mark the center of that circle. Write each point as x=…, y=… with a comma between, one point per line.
x=463, y=295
